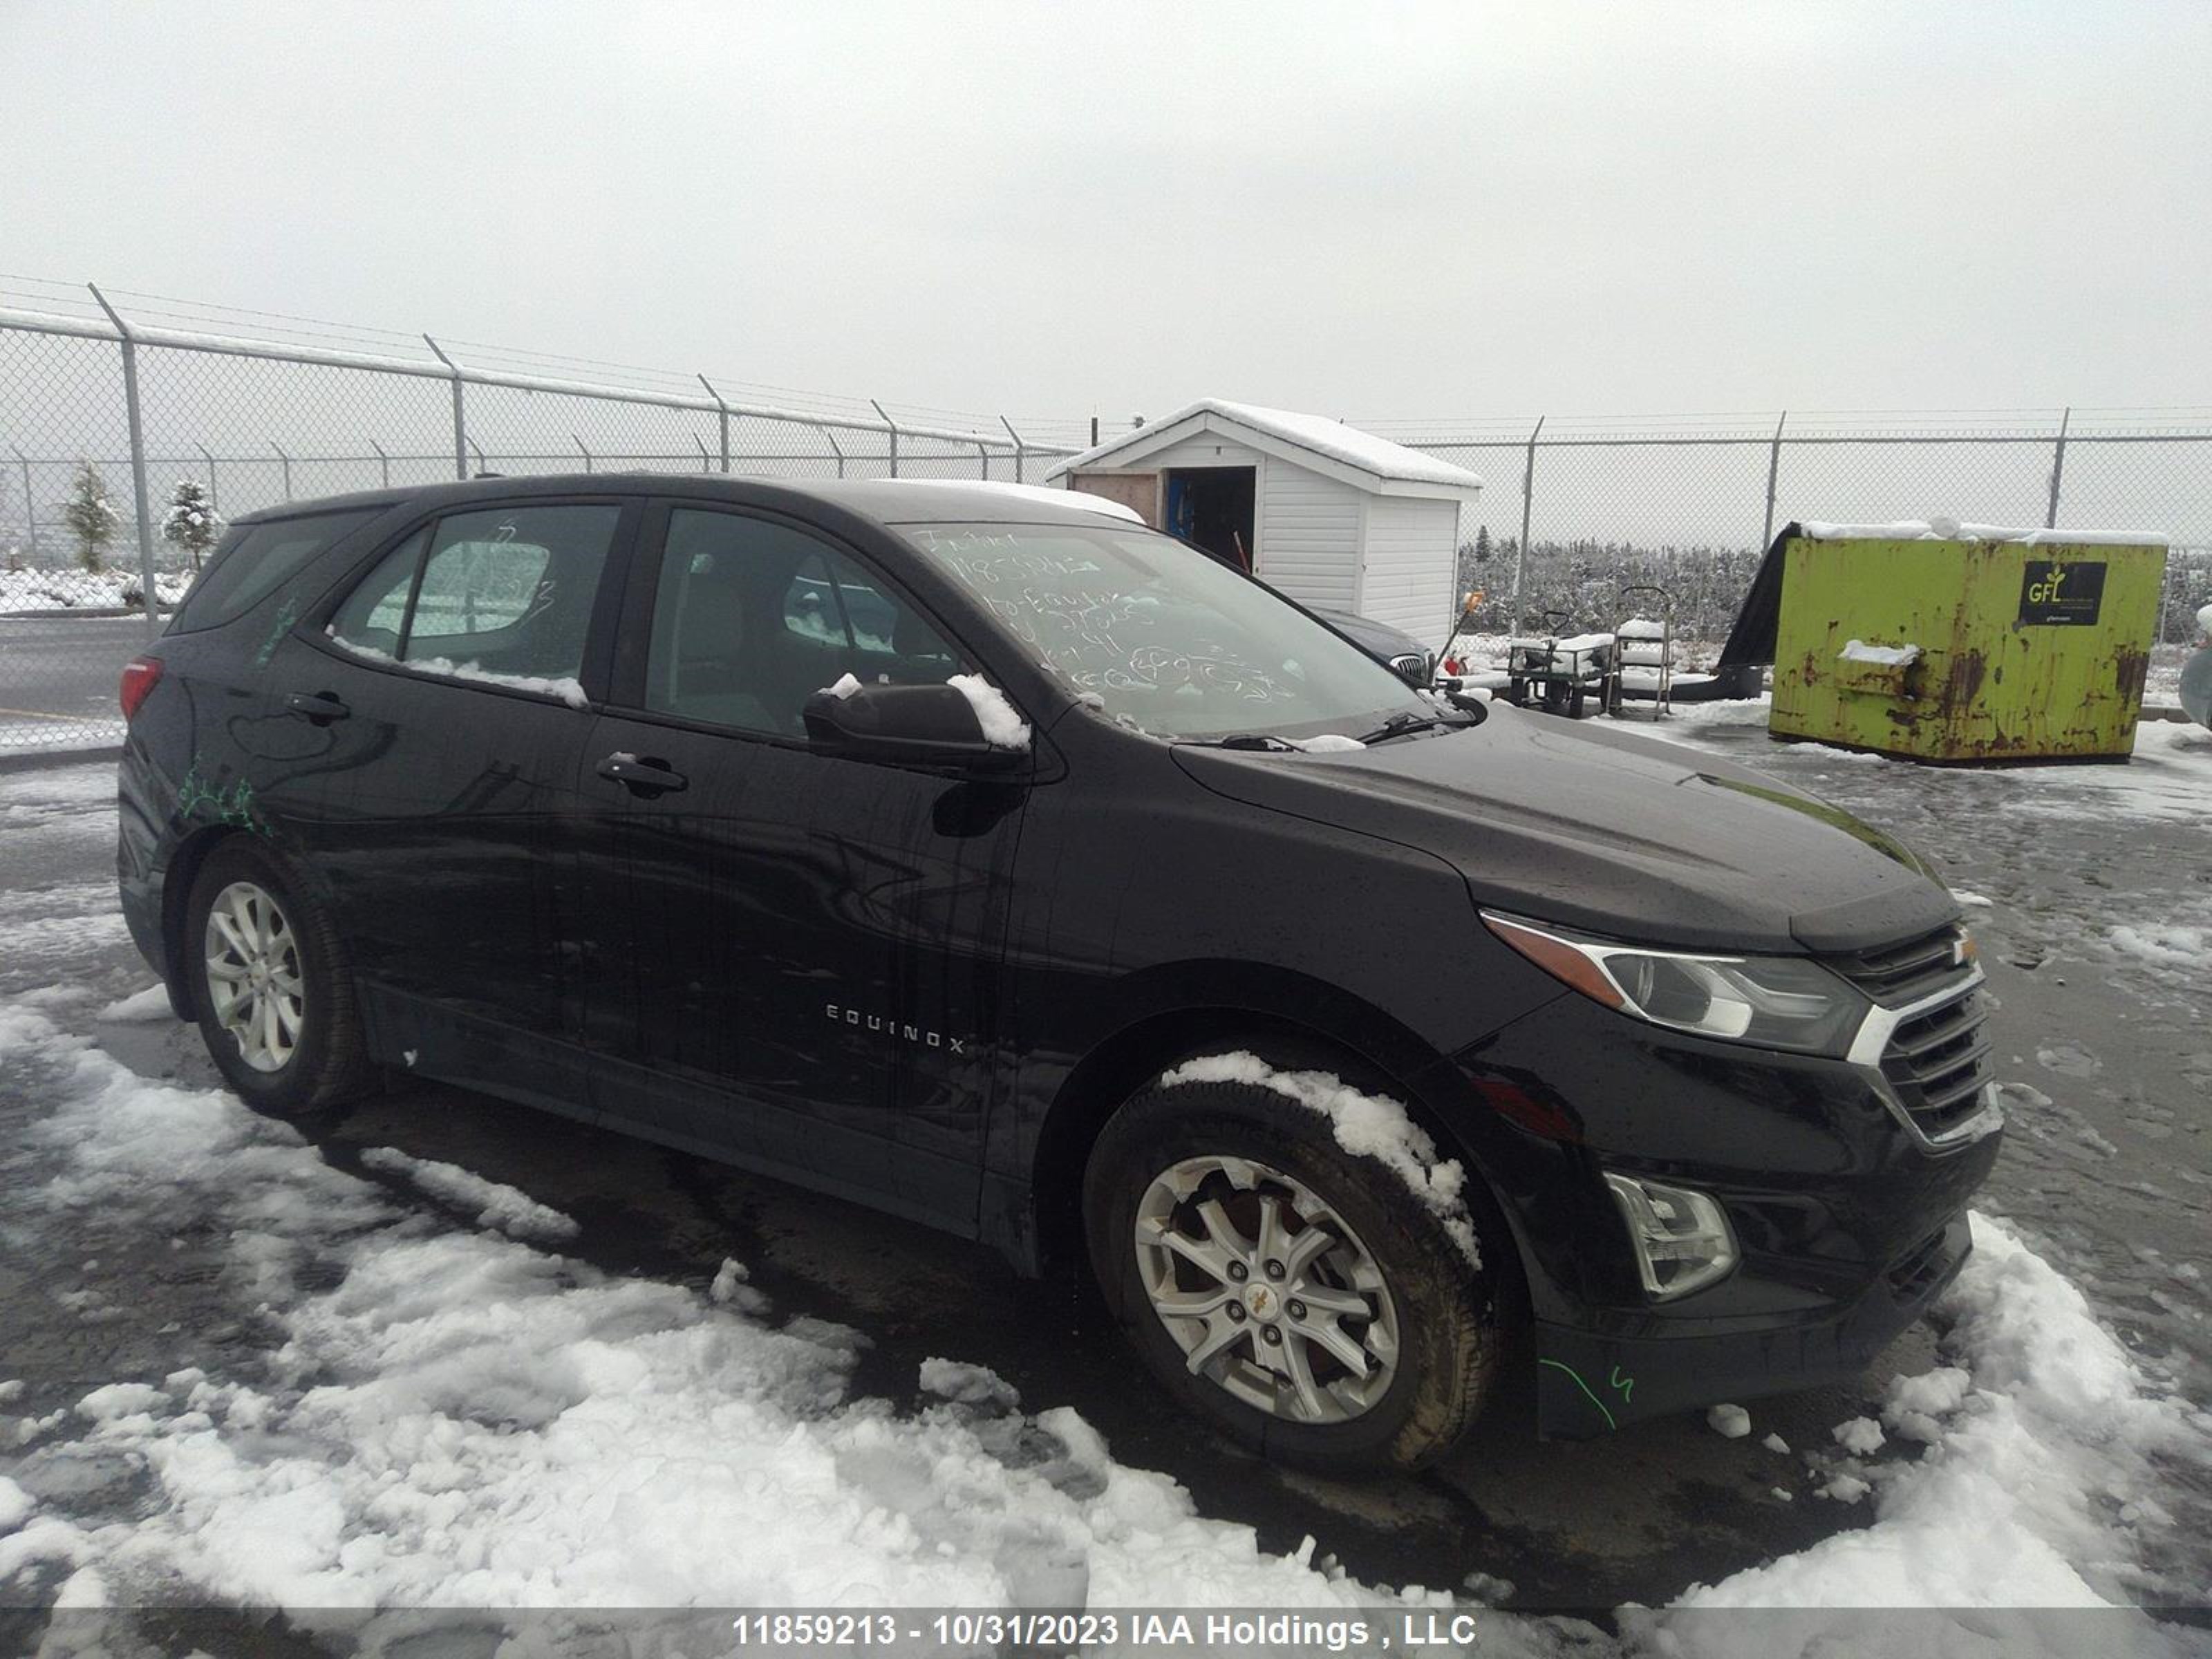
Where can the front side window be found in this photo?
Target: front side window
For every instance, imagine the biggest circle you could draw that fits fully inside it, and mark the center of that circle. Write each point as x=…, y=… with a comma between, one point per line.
x=505, y=594
x=1164, y=639
x=751, y=618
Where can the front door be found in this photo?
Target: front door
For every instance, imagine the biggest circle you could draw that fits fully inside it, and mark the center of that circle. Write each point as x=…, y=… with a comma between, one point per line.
x=795, y=957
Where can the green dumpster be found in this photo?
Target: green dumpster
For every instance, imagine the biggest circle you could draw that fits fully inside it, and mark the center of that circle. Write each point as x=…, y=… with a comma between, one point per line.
x=1963, y=642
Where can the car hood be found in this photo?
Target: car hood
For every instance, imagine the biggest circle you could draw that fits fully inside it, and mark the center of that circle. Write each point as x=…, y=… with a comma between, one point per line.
x=1608, y=831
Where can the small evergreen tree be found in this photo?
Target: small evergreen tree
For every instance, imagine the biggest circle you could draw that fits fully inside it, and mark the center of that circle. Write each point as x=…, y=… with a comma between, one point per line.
x=1482, y=544
x=89, y=517
x=191, y=521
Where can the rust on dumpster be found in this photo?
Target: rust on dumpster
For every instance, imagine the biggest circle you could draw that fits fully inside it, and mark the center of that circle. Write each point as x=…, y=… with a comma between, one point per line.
x=1964, y=651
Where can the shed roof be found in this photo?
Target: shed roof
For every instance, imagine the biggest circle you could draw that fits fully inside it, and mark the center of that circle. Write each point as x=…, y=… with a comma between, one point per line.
x=1328, y=446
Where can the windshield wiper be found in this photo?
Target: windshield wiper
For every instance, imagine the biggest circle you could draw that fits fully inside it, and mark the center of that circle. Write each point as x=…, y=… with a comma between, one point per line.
x=1249, y=740
x=1405, y=724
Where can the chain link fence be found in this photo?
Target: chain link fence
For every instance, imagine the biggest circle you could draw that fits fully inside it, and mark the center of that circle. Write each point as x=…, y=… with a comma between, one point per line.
x=239, y=411
x=1689, y=504
x=131, y=431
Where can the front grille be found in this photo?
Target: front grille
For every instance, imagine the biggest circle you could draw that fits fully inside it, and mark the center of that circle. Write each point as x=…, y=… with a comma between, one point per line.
x=1899, y=974
x=1413, y=667
x=1936, y=1058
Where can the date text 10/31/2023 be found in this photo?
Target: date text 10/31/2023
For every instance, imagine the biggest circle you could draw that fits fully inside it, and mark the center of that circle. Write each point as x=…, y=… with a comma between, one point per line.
x=1069, y=1631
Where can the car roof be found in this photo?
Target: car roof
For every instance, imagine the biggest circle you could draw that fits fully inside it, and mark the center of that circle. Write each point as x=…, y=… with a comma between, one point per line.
x=887, y=501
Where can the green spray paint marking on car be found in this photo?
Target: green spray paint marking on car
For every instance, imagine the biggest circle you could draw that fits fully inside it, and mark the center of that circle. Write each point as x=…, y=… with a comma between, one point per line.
x=1561, y=1365
x=233, y=805
x=285, y=618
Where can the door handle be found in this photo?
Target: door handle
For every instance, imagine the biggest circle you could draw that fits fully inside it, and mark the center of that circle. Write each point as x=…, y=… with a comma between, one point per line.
x=642, y=776
x=320, y=707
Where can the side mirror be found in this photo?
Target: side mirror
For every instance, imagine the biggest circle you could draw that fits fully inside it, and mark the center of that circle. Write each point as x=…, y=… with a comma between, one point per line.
x=905, y=725
x=1456, y=694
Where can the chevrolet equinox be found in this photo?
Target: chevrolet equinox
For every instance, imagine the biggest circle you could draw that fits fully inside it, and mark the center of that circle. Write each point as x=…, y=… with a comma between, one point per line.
x=1017, y=869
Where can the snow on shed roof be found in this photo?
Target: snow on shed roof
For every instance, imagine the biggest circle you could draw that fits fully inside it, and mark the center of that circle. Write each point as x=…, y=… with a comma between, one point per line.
x=1329, y=445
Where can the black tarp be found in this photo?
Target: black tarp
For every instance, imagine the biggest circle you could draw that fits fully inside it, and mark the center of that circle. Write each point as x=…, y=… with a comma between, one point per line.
x=1750, y=644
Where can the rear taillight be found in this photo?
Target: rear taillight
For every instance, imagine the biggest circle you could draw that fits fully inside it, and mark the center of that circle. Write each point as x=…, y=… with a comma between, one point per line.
x=142, y=676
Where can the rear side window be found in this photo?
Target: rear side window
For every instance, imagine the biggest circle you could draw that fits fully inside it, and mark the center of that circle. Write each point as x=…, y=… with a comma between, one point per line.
x=507, y=594
x=255, y=560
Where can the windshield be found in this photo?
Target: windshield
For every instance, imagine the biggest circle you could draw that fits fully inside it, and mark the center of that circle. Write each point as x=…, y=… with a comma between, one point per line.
x=1164, y=639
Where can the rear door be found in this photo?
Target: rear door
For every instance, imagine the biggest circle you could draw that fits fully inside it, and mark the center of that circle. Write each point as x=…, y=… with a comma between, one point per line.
x=446, y=689
x=795, y=957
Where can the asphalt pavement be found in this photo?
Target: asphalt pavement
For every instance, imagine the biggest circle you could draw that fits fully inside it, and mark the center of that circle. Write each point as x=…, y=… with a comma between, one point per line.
x=57, y=679
x=2107, y=1158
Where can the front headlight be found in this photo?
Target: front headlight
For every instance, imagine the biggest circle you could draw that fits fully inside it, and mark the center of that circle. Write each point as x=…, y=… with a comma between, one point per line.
x=1776, y=1002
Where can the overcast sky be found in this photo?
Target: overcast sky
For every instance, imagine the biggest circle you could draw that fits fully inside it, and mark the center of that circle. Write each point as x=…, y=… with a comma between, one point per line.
x=1411, y=210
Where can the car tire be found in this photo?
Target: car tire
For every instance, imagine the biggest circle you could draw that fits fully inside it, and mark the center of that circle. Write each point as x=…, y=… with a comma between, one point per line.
x=1436, y=1319
x=270, y=984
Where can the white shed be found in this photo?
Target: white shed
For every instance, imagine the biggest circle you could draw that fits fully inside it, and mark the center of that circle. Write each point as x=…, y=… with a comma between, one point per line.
x=1336, y=518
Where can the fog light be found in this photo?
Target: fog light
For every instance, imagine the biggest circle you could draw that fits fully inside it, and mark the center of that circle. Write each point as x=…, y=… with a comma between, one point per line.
x=1682, y=1239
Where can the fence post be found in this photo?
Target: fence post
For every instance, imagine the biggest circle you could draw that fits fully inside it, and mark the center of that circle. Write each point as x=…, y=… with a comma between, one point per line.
x=1773, y=472
x=1021, y=449
x=2058, y=468
x=482, y=466
x=585, y=452
x=30, y=509
x=835, y=448
x=137, y=465
x=215, y=500
x=1528, y=499
x=706, y=461
x=460, y=416
x=286, y=461
x=722, y=414
x=383, y=461
x=983, y=453
x=890, y=426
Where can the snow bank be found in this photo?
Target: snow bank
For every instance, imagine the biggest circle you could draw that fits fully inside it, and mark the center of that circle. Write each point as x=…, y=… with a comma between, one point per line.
x=147, y=1006
x=1366, y=1126
x=502, y=1208
x=1887, y=656
x=16, y=1505
x=569, y=691
x=1003, y=727
x=2164, y=946
x=466, y=1420
x=2040, y=1433
x=117, y=588
x=1951, y=530
x=968, y=1385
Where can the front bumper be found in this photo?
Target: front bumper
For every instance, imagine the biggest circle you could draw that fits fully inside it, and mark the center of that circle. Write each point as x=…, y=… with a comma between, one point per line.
x=1590, y=1381
x=1848, y=1224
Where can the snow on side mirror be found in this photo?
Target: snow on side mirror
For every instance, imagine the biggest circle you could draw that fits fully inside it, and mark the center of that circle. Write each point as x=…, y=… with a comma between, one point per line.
x=907, y=725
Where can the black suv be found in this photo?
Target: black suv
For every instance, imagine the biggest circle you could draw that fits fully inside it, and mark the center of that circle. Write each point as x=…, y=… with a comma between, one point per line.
x=1023, y=871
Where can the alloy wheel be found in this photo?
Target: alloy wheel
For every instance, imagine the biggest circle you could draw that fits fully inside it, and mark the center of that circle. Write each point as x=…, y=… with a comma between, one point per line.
x=1266, y=1290
x=254, y=976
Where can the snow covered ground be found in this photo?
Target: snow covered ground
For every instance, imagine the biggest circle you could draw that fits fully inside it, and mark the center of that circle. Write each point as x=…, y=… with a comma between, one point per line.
x=407, y=1384
x=30, y=592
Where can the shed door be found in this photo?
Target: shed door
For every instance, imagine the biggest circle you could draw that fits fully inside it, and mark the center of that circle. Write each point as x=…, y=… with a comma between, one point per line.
x=1138, y=490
